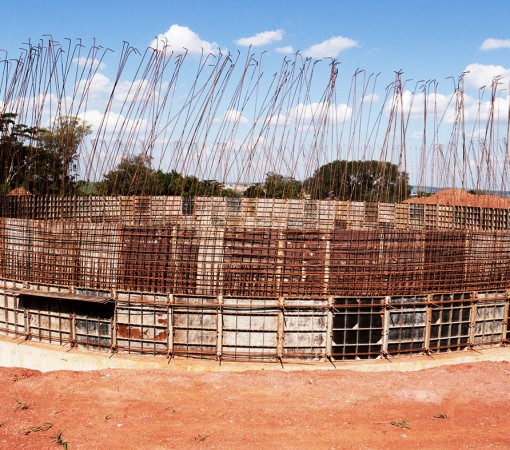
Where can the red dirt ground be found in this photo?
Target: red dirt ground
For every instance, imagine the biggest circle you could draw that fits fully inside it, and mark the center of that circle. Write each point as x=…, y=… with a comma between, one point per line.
x=464, y=406
x=459, y=197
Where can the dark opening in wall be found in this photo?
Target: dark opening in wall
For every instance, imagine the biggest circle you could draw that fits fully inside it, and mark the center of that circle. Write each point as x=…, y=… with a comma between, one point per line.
x=357, y=328
x=65, y=321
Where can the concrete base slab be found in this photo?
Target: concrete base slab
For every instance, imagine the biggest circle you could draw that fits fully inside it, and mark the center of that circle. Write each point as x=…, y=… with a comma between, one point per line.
x=47, y=358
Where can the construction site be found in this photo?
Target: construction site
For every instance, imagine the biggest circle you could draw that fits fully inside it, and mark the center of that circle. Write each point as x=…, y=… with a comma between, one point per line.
x=321, y=272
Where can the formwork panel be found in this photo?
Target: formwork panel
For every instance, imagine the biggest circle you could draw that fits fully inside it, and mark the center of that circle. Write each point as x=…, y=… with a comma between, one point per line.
x=12, y=320
x=142, y=328
x=49, y=320
x=450, y=322
x=305, y=329
x=488, y=323
x=407, y=325
x=93, y=326
x=250, y=334
x=195, y=323
x=358, y=326
x=249, y=330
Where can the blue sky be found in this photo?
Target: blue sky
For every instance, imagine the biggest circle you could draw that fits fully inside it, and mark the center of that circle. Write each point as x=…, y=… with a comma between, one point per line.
x=425, y=39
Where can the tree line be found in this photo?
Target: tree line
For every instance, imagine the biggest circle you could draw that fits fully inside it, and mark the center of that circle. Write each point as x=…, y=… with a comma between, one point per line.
x=45, y=161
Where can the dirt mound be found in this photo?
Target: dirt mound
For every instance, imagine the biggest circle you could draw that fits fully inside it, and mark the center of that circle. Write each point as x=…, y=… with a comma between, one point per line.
x=460, y=197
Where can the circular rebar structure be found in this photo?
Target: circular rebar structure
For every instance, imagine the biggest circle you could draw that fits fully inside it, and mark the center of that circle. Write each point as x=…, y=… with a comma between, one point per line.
x=325, y=259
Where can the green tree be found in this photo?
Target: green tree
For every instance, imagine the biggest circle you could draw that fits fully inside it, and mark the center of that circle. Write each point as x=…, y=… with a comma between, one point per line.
x=376, y=181
x=42, y=161
x=132, y=176
x=276, y=186
x=63, y=142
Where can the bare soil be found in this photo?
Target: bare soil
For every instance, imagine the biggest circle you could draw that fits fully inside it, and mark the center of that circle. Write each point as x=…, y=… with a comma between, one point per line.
x=459, y=197
x=461, y=406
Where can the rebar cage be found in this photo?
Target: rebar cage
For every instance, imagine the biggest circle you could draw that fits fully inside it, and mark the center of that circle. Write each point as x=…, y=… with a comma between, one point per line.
x=254, y=279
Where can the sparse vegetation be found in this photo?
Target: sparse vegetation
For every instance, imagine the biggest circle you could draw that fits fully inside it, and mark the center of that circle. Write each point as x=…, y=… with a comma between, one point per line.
x=21, y=405
x=44, y=427
x=201, y=437
x=58, y=440
x=401, y=423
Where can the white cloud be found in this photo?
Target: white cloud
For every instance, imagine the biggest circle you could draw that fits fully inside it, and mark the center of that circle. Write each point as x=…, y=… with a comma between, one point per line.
x=232, y=116
x=330, y=47
x=285, y=50
x=177, y=38
x=413, y=104
x=89, y=62
x=495, y=44
x=307, y=112
x=371, y=98
x=99, y=86
x=263, y=38
x=478, y=75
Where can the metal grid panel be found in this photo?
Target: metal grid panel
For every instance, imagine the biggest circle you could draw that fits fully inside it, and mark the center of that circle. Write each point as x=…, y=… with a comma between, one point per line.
x=195, y=327
x=450, y=322
x=357, y=328
x=48, y=320
x=142, y=328
x=11, y=317
x=488, y=322
x=406, y=325
x=354, y=263
x=305, y=329
x=249, y=330
x=146, y=259
x=445, y=261
x=250, y=263
x=303, y=263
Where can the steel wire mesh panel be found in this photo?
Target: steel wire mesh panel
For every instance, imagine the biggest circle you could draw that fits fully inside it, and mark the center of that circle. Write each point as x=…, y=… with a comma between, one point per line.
x=303, y=264
x=11, y=316
x=444, y=261
x=48, y=320
x=354, y=263
x=407, y=325
x=357, y=328
x=250, y=263
x=249, y=330
x=400, y=262
x=450, y=322
x=305, y=329
x=142, y=327
x=195, y=327
x=147, y=260
x=488, y=323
